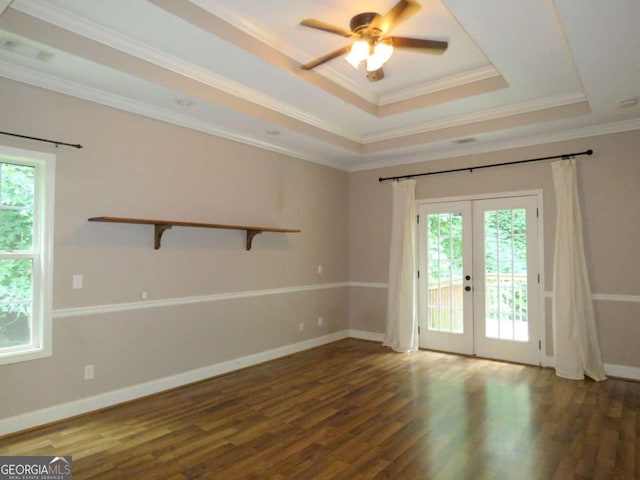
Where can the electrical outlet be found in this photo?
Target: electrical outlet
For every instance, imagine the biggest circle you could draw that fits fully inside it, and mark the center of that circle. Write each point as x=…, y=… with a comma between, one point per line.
x=320, y=321
x=319, y=269
x=301, y=327
x=77, y=281
x=143, y=295
x=89, y=372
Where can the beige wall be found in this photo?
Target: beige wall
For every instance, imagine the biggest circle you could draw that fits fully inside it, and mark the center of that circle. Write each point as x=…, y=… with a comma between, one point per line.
x=609, y=183
x=137, y=167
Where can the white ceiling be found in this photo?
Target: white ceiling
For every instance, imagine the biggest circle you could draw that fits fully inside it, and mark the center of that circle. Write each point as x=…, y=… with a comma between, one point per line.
x=516, y=72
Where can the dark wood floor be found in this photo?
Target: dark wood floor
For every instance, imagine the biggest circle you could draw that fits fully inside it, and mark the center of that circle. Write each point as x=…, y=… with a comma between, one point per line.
x=352, y=410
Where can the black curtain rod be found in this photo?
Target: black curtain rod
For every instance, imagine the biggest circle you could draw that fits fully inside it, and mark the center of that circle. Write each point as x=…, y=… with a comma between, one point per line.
x=55, y=142
x=471, y=169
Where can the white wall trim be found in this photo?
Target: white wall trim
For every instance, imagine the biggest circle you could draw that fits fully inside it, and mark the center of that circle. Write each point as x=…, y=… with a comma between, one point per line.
x=70, y=21
x=479, y=116
x=81, y=406
x=438, y=85
x=368, y=284
x=547, y=294
x=84, y=405
x=242, y=23
x=4, y=4
x=622, y=371
x=101, y=97
x=169, y=302
x=534, y=140
x=607, y=297
x=548, y=361
x=364, y=335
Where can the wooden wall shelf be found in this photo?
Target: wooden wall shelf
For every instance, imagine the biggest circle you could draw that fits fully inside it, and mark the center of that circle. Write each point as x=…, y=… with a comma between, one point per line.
x=162, y=226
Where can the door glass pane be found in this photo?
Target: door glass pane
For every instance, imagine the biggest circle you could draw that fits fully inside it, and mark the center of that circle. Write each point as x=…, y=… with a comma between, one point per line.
x=505, y=233
x=16, y=299
x=444, y=258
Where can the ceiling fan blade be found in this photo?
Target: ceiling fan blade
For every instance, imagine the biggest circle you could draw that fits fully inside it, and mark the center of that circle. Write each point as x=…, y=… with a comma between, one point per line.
x=325, y=58
x=399, y=13
x=434, y=47
x=326, y=27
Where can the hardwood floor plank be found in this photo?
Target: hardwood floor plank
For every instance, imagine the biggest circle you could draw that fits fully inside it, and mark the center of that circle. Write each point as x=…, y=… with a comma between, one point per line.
x=356, y=410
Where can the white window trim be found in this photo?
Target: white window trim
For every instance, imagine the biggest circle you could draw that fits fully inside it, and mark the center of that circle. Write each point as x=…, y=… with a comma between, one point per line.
x=45, y=164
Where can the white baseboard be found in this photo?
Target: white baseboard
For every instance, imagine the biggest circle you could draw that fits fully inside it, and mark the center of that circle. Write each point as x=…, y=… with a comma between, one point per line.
x=622, y=371
x=364, y=335
x=84, y=405
x=618, y=371
x=548, y=361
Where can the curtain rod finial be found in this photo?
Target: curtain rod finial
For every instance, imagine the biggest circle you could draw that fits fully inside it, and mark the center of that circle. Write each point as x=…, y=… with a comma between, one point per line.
x=589, y=152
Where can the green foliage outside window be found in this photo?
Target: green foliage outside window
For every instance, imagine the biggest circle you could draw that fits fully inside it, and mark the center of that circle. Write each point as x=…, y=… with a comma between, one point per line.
x=506, y=238
x=16, y=235
x=445, y=246
x=505, y=262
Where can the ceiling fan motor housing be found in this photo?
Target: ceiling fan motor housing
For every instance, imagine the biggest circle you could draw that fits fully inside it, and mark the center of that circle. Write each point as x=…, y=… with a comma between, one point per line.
x=375, y=75
x=360, y=23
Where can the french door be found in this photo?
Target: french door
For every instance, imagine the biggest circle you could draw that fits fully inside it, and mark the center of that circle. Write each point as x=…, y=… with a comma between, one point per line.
x=479, y=289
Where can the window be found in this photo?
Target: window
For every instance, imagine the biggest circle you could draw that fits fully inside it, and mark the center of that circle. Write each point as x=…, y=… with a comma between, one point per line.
x=26, y=256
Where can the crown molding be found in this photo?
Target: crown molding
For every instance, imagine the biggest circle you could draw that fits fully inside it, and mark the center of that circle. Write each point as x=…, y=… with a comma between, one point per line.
x=438, y=85
x=223, y=12
x=47, y=12
x=4, y=4
x=69, y=21
x=66, y=87
x=262, y=35
x=241, y=23
x=73, y=89
x=528, y=141
x=481, y=116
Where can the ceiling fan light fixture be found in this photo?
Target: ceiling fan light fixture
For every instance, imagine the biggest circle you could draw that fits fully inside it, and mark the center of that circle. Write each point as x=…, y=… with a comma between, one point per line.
x=381, y=54
x=370, y=41
x=373, y=63
x=359, y=52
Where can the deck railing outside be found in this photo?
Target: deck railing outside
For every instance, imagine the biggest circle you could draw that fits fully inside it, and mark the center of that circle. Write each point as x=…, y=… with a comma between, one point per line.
x=506, y=301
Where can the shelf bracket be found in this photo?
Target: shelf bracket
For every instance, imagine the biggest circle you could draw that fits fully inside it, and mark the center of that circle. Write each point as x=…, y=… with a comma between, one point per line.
x=159, y=230
x=250, y=235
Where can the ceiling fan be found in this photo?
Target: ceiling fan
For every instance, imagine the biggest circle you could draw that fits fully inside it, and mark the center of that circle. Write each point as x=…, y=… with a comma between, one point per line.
x=371, y=45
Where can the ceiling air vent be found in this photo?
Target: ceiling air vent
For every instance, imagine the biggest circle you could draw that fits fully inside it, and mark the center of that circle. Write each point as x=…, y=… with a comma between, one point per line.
x=22, y=48
x=462, y=141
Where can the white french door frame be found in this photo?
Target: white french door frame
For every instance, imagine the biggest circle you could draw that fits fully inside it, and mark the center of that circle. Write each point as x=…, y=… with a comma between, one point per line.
x=540, y=304
x=459, y=342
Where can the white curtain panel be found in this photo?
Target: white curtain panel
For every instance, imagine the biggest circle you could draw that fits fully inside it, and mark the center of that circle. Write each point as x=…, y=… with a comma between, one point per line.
x=402, y=330
x=575, y=339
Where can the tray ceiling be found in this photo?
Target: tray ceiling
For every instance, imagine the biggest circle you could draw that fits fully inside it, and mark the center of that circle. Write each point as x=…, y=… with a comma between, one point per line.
x=515, y=73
